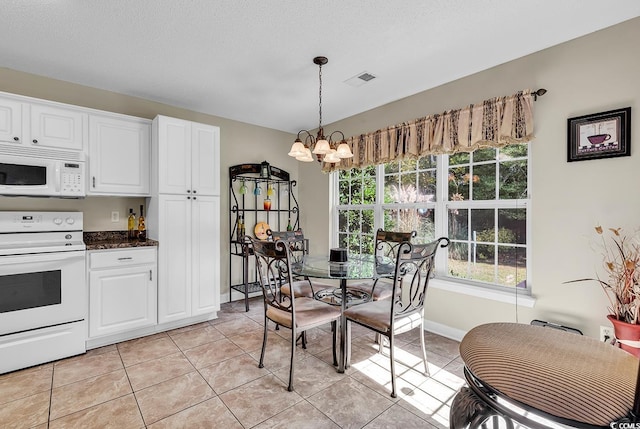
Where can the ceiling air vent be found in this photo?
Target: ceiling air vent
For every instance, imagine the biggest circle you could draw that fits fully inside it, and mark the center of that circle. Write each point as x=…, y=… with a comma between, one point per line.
x=360, y=79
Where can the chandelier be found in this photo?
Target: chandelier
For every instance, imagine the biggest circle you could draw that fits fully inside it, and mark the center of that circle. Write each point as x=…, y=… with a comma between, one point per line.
x=324, y=148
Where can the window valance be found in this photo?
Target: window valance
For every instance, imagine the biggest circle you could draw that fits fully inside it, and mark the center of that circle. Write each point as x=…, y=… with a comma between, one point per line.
x=496, y=122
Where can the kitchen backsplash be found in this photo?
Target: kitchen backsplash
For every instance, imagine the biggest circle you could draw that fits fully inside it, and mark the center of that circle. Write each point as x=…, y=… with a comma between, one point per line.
x=97, y=210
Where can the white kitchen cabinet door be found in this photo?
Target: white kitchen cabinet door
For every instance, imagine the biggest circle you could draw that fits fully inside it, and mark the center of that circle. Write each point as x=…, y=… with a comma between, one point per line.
x=205, y=254
x=205, y=162
x=121, y=299
x=119, y=156
x=56, y=127
x=10, y=121
x=174, y=257
x=174, y=155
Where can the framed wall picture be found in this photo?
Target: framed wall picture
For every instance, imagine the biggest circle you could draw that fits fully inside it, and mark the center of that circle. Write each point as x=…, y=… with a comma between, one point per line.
x=600, y=135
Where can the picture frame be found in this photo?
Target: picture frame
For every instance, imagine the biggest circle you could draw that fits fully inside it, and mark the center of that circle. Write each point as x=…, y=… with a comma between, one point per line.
x=599, y=135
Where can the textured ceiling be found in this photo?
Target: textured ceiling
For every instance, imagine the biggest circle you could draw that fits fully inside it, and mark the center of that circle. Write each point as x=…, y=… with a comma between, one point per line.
x=251, y=60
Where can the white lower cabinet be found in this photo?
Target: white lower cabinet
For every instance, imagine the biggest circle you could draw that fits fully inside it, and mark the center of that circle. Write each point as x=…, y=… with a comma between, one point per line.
x=189, y=236
x=122, y=290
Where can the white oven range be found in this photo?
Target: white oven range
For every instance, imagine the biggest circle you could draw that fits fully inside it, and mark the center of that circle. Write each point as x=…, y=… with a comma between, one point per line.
x=42, y=288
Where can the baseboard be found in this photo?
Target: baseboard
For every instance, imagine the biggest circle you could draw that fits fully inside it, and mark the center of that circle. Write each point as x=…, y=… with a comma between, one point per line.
x=444, y=330
x=237, y=296
x=106, y=340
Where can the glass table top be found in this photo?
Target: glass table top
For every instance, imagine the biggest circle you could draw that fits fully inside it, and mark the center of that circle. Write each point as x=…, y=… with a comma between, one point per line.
x=356, y=267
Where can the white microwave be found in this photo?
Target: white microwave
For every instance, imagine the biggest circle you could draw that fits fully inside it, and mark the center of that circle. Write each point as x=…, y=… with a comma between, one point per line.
x=22, y=175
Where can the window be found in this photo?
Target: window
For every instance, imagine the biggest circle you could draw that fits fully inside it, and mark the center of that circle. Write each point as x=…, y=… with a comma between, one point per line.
x=478, y=200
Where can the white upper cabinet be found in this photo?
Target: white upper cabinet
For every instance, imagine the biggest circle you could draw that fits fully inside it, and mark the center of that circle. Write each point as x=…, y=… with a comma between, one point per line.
x=119, y=155
x=10, y=121
x=57, y=127
x=32, y=123
x=205, y=165
x=188, y=157
x=174, y=155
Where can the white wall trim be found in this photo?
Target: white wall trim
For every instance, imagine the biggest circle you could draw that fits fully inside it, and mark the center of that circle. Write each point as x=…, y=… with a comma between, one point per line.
x=443, y=330
x=520, y=299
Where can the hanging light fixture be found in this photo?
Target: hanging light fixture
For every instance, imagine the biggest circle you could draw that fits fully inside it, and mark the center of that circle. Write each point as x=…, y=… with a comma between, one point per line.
x=324, y=149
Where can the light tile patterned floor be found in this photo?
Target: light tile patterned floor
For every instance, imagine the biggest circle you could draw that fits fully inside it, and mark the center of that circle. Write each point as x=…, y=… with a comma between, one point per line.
x=207, y=375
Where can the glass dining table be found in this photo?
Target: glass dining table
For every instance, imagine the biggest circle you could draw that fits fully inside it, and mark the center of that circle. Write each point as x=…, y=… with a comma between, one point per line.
x=357, y=267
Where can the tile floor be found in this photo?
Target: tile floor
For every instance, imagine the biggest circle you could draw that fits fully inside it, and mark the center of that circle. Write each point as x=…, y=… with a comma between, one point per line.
x=207, y=376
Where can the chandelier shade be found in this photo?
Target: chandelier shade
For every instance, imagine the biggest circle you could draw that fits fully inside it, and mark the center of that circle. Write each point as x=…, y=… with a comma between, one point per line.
x=323, y=148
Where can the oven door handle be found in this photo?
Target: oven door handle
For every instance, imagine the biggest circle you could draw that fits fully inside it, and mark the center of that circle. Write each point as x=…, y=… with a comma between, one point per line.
x=9, y=260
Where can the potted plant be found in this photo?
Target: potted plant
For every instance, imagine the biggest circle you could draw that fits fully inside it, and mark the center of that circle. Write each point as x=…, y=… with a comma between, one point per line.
x=621, y=260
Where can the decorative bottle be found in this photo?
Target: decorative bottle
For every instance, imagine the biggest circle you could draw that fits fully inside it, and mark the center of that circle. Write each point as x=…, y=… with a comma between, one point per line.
x=131, y=225
x=142, y=228
x=289, y=227
x=240, y=229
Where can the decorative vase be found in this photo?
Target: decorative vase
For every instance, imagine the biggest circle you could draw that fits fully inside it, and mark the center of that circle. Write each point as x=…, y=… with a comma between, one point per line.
x=627, y=334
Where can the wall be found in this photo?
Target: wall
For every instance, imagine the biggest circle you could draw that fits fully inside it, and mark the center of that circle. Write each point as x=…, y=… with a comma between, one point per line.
x=591, y=74
x=240, y=143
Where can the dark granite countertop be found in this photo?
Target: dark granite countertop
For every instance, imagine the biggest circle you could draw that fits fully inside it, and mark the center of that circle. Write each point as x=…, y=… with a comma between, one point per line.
x=102, y=240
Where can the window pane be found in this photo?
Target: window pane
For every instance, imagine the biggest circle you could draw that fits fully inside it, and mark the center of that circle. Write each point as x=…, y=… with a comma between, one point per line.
x=356, y=191
x=369, y=190
x=391, y=189
x=344, y=174
x=484, y=182
x=343, y=225
x=513, y=179
x=512, y=266
x=459, y=158
x=483, y=263
x=458, y=224
x=392, y=167
x=484, y=155
x=408, y=165
x=427, y=186
x=458, y=264
x=408, y=179
x=358, y=235
x=458, y=184
x=514, y=151
x=482, y=225
x=343, y=191
x=425, y=225
x=420, y=220
x=512, y=226
x=428, y=161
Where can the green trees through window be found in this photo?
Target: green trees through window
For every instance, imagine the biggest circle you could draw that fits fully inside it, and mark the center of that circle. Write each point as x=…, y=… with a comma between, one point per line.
x=478, y=200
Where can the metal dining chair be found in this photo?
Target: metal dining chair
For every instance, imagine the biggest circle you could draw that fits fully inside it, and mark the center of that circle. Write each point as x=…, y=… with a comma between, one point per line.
x=273, y=262
x=404, y=311
x=299, y=246
x=386, y=249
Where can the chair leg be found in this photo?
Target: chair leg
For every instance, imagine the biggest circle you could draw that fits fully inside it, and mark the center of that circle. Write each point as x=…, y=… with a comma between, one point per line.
x=334, y=329
x=393, y=368
x=304, y=340
x=264, y=343
x=424, y=350
x=293, y=354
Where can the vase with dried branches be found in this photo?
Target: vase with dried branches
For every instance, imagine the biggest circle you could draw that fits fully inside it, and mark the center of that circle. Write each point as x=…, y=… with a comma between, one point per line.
x=621, y=261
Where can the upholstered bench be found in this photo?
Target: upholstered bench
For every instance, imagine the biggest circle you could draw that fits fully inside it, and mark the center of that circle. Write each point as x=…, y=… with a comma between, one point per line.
x=559, y=376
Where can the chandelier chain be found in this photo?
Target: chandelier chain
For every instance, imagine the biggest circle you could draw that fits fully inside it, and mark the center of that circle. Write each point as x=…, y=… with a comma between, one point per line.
x=320, y=95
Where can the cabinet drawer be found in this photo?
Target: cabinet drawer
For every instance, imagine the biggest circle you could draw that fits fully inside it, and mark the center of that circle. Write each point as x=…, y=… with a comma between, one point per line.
x=121, y=258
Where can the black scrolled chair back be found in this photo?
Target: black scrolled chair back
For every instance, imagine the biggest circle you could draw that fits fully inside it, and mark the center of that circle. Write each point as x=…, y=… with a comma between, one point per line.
x=295, y=239
x=414, y=268
x=274, y=270
x=388, y=242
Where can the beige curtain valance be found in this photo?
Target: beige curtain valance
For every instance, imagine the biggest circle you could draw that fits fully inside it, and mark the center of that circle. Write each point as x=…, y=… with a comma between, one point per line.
x=496, y=122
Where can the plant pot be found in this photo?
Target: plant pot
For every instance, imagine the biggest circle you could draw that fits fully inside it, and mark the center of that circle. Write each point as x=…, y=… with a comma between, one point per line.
x=627, y=334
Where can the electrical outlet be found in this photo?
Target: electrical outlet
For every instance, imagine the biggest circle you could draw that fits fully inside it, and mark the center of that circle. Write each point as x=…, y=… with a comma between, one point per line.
x=115, y=216
x=606, y=333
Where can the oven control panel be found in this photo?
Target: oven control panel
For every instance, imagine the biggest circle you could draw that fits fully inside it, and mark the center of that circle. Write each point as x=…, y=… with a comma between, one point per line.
x=40, y=221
